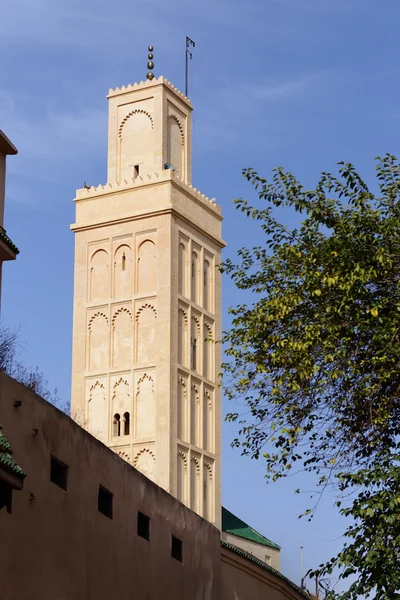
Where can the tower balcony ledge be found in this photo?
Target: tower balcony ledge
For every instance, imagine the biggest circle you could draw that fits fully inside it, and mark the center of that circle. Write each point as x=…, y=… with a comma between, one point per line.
x=87, y=193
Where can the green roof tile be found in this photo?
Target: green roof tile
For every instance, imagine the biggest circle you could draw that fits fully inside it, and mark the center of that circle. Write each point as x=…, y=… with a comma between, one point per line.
x=266, y=567
x=235, y=526
x=6, y=460
x=4, y=237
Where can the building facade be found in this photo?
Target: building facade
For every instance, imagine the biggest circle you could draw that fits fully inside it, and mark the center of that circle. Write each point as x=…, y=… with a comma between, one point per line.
x=147, y=301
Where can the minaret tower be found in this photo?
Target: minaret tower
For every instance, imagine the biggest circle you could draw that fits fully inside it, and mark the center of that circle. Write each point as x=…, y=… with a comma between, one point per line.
x=147, y=301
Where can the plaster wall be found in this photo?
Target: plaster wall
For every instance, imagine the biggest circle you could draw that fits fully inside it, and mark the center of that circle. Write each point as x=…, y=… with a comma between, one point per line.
x=270, y=556
x=56, y=544
x=244, y=580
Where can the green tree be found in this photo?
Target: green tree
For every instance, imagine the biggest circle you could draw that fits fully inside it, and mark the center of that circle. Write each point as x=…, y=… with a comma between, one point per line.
x=316, y=356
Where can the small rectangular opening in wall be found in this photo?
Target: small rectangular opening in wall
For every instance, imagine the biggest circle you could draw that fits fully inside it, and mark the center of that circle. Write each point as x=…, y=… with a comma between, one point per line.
x=5, y=496
x=135, y=171
x=105, y=502
x=143, y=526
x=176, y=548
x=58, y=472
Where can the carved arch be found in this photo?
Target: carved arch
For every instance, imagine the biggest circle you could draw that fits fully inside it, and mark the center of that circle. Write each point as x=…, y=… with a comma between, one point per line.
x=124, y=456
x=117, y=383
x=119, y=311
x=98, y=314
x=141, y=309
x=184, y=456
x=141, y=452
x=137, y=110
x=184, y=314
x=180, y=127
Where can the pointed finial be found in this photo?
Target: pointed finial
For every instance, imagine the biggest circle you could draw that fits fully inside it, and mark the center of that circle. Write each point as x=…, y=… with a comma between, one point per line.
x=150, y=64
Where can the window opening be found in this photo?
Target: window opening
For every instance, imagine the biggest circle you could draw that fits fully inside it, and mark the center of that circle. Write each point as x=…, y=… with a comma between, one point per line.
x=58, y=472
x=117, y=425
x=105, y=502
x=176, y=548
x=126, y=423
x=123, y=261
x=136, y=171
x=143, y=526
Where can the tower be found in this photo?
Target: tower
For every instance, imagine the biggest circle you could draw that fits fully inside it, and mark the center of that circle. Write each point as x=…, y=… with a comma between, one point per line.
x=147, y=301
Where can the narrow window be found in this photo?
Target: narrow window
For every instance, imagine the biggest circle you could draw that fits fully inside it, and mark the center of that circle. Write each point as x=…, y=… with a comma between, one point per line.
x=126, y=423
x=176, y=548
x=135, y=171
x=143, y=526
x=105, y=502
x=123, y=261
x=194, y=355
x=58, y=473
x=117, y=425
x=195, y=274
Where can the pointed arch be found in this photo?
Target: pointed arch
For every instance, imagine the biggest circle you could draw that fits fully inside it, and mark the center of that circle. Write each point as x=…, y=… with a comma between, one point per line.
x=145, y=462
x=123, y=272
x=129, y=115
x=195, y=414
x=98, y=342
x=147, y=268
x=146, y=332
x=195, y=484
x=208, y=351
x=145, y=407
x=182, y=477
x=182, y=336
x=97, y=412
x=122, y=338
x=183, y=410
x=99, y=276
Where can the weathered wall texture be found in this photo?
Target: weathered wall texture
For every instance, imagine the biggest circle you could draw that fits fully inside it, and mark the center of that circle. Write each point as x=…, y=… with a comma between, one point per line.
x=270, y=556
x=244, y=580
x=57, y=545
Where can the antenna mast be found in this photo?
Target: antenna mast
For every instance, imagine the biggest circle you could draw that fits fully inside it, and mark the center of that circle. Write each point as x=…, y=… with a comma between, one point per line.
x=188, y=54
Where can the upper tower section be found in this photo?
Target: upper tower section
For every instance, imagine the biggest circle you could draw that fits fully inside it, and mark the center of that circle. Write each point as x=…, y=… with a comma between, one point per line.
x=150, y=125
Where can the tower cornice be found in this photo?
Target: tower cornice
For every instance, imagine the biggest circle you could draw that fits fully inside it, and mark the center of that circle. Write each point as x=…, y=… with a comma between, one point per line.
x=147, y=84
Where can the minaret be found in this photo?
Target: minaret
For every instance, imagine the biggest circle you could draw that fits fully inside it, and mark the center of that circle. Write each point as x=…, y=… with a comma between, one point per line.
x=147, y=298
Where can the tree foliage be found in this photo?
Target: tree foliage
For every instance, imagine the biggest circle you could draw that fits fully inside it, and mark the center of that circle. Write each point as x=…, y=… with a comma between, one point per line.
x=315, y=358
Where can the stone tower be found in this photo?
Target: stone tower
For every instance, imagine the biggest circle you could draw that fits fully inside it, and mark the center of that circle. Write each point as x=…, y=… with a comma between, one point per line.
x=147, y=298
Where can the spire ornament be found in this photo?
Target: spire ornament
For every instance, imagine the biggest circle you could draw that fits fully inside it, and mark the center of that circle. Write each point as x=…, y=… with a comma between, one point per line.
x=150, y=64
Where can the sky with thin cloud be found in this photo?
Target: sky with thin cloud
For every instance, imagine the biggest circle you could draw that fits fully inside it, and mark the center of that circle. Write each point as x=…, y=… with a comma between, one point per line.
x=299, y=83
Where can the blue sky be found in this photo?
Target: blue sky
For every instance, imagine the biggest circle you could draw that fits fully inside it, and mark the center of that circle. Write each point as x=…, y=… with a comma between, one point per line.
x=303, y=83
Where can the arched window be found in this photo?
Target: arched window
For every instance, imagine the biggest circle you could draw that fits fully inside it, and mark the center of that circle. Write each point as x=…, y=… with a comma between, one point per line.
x=117, y=425
x=195, y=277
x=126, y=423
x=194, y=344
x=207, y=288
x=182, y=270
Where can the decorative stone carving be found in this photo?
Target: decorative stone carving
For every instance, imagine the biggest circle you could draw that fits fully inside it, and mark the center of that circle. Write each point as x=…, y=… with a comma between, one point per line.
x=99, y=276
x=145, y=413
x=98, y=342
x=145, y=462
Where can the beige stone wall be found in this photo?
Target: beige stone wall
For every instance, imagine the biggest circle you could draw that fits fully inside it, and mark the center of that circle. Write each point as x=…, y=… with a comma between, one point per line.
x=144, y=381
x=244, y=580
x=270, y=556
x=56, y=544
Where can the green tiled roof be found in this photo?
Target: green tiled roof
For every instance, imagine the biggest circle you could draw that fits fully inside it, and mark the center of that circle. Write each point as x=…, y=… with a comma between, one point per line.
x=6, y=459
x=235, y=526
x=4, y=237
x=266, y=567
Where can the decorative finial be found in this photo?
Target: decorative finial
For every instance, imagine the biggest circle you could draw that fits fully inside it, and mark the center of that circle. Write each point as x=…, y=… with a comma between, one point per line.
x=150, y=64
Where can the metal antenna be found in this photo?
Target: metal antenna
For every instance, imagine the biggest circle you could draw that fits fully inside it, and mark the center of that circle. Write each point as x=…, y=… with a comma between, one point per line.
x=189, y=43
x=302, y=565
x=150, y=64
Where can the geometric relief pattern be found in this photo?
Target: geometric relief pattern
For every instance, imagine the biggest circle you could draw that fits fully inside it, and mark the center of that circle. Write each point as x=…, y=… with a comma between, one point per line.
x=145, y=462
x=121, y=400
x=122, y=335
x=145, y=410
x=182, y=476
x=146, y=318
x=123, y=272
x=195, y=414
x=98, y=342
x=97, y=412
x=99, y=276
x=195, y=483
x=208, y=490
x=208, y=421
x=183, y=412
x=208, y=351
x=182, y=336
